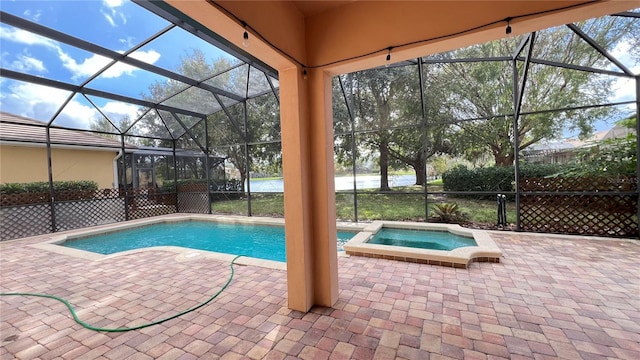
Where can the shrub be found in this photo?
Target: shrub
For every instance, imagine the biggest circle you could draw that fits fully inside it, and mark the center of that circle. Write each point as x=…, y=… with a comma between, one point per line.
x=449, y=213
x=497, y=178
x=227, y=185
x=43, y=187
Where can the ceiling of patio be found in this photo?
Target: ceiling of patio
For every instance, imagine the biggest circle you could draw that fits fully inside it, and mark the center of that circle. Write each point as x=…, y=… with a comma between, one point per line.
x=347, y=36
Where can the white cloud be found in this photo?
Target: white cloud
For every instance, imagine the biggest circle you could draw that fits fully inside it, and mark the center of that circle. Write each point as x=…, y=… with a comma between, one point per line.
x=113, y=3
x=149, y=57
x=87, y=67
x=112, y=12
x=27, y=38
x=109, y=18
x=624, y=89
x=33, y=15
x=27, y=64
x=40, y=102
x=79, y=69
x=91, y=65
x=117, y=110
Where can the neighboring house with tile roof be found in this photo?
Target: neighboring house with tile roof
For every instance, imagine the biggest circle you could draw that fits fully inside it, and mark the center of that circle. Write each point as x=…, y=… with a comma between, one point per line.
x=75, y=155
x=564, y=150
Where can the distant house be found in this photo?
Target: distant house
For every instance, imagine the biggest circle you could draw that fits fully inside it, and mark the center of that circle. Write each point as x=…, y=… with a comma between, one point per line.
x=75, y=155
x=564, y=150
x=79, y=155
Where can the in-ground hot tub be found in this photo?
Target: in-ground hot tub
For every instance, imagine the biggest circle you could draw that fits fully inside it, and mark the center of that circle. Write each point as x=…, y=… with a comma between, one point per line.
x=467, y=246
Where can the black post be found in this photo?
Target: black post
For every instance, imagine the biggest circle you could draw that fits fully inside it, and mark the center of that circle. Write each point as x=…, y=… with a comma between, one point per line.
x=206, y=163
x=124, y=177
x=175, y=173
x=52, y=194
x=246, y=157
x=638, y=149
x=424, y=131
x=353, y=149
x=518, y=94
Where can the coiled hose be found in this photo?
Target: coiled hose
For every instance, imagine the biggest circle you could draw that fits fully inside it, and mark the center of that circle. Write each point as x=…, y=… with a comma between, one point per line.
x=125, y=329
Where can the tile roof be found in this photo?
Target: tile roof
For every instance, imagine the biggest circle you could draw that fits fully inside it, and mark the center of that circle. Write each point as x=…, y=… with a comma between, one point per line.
x=14, y=128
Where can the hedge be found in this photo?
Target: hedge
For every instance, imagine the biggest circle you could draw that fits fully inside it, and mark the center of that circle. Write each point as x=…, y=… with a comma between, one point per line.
x=43, y=187
x=227, y=185
x=497, y=178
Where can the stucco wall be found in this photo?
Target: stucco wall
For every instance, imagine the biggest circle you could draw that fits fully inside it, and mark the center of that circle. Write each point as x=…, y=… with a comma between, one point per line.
x=29, y=164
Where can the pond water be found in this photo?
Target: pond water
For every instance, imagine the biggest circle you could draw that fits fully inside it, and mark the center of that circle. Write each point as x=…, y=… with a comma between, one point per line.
x=342, y=183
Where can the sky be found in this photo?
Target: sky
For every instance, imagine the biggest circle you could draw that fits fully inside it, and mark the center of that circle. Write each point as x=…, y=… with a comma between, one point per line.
x=117, y=25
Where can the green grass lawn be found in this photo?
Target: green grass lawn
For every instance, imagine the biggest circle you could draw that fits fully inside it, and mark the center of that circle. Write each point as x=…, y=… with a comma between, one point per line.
x=371, y=206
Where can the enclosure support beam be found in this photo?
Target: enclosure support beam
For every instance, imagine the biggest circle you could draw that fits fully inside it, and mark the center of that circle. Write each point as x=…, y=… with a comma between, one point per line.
x=638, y=148
x=424, y=132
x=52, y=194
x=309, y=189
x=353, y=149
x=246, y=155
x=206, y=163
x=124, y=177
x=175, y=173
x=518, y=94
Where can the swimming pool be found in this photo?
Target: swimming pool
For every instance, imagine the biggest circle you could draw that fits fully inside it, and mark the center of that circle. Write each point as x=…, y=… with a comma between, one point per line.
x=257, y=241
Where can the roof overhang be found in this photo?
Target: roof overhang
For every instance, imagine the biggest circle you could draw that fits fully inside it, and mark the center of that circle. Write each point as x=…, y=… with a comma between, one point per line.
x=346, y=36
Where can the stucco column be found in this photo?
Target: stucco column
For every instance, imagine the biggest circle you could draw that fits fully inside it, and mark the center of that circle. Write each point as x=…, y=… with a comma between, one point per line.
x=309, y=196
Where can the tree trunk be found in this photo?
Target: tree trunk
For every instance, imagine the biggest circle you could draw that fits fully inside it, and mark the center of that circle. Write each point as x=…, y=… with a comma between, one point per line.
x=384, y=165
x=243, y=178
x=421, y=179
x=503, y=159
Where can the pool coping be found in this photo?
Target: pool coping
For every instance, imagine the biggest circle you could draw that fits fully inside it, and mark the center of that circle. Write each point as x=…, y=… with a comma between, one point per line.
x=182, y=254
x=486, y=251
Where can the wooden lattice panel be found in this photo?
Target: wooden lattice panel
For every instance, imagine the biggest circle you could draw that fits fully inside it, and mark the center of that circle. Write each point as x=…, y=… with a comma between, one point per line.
x=144, y=204
x=24, y=199
x=192, y=188
x=591, y=214
x=193, y=202
x=24, y=220
x=30, y=214
x=593, y=183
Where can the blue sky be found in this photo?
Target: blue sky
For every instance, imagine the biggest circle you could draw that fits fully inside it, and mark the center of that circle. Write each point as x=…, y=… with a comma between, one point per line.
x=117, y=25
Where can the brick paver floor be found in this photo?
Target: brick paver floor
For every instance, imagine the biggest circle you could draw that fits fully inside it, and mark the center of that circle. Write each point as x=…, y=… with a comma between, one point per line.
x=548, y=298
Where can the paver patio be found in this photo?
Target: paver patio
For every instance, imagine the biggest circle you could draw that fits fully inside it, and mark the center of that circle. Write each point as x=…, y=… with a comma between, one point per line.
x=548, y=298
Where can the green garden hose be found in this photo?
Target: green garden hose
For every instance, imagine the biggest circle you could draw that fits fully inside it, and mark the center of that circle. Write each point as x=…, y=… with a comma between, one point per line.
x=124, y=329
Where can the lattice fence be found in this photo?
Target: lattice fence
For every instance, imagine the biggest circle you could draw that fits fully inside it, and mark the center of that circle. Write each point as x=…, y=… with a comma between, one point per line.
x=77, y=209
x=24, y=215
x=577, y=205
x=24, y=220
x=144, y=204
x=193, y=198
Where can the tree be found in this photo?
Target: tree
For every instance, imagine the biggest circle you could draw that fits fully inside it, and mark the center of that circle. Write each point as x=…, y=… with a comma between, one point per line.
x=414, y=146
x=376, y=97
x=388, y=100
x=227, y=135
x=484, y=89
x=100, y=123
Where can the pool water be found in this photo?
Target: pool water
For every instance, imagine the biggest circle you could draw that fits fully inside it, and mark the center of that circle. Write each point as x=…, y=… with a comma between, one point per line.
x=423, y=239
x=258, y=241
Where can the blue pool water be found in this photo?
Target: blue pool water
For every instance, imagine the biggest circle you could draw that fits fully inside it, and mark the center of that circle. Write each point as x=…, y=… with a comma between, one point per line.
x=423, y=239
x=259, y=241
